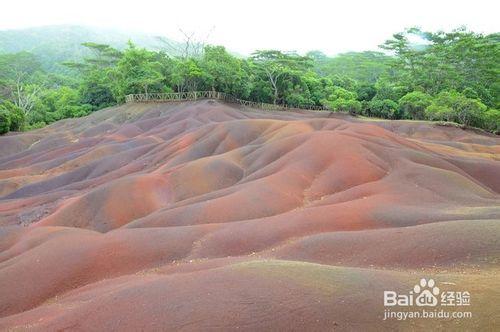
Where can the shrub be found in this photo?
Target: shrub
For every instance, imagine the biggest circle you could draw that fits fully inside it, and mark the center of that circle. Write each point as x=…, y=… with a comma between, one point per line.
x=342, y=100
x=385, y=108
x=16, y=115
x=454, y=106
x=491, y=120
x=344, y=105
x=4, y=121
x=36, y=125
x=413, y=104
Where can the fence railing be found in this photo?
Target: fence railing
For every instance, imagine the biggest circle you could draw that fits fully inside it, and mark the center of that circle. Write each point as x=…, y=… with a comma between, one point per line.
x=197, y=95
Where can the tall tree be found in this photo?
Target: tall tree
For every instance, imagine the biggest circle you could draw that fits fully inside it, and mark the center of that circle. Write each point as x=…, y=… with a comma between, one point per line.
x=138, y=71
x=96, y=75
x=224, y=72
x=278, y=67
x=18, y=74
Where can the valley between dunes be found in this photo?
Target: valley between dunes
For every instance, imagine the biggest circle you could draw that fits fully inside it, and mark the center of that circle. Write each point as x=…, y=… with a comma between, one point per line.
x=204, y=215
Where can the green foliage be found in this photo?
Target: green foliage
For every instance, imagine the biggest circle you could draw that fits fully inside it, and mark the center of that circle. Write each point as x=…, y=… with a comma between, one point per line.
x=55, y=45
x=448, y=76
x=456, y=107
x=56, y=104
x=224, y=72
x=387, y=88
x=187, y=74
x=491, y=120
x=385, y=108
x=96, y=89
x=16, y=115
x=137, y=71
x=21, y=63
x=341, y=93
x=459, y=60
x=363, y=67
x=4, y=121
x=413, y=104
x=366, y=91
x=281, y=70
x=36, y=125
x=342, y=100
x=344, y=105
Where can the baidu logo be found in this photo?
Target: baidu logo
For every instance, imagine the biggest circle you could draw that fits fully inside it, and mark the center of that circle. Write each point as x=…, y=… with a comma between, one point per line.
x=425, y=293
x=426, y=300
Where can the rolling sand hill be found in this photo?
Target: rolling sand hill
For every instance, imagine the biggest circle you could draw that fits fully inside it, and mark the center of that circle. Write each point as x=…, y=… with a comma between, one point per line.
x=203, y=215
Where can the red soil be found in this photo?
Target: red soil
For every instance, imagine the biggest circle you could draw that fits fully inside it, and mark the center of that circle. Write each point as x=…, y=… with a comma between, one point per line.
x=203, y=215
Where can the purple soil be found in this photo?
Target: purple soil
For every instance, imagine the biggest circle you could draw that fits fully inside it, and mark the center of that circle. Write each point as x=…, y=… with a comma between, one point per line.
x=204, y=215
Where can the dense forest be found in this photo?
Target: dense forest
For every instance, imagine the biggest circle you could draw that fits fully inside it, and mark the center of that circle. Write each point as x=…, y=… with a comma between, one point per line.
x=449, y=76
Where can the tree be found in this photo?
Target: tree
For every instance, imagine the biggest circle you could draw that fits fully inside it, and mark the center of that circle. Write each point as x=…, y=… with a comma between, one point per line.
x=452, y=76
x=455, y=60
x=384, y=108
x=18, y=73
x=224, y=72
x=277, y=67
x=187, y=75
x=16, y=115
x=437, y=112
x=387, y=88
x=96, y=75
x=318, y=87
x=413, y=104
x=4, y=121
x=137, y=71
x=491, y=120
x=60, y=103
x=454, y=106
x=26, y=95
x=366, y=91
x=192, y=46
x=408, y=56
x=342, y=100
x=344, y=82
x=362, y=67
x=96, y=89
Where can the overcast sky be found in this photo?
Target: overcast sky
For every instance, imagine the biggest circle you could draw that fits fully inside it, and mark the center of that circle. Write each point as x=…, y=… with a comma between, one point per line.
x=244, y=26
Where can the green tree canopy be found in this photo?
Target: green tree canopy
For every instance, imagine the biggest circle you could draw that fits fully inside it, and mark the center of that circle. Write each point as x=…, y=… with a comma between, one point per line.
x=413, y=104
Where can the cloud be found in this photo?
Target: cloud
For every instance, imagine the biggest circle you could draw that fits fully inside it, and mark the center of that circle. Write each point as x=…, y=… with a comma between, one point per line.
x=243, y=26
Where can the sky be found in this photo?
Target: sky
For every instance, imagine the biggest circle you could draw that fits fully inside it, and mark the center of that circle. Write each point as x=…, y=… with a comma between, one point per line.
x=244, y=26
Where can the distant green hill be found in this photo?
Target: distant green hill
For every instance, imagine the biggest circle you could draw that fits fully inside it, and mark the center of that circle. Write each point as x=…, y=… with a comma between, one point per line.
x=56, y=44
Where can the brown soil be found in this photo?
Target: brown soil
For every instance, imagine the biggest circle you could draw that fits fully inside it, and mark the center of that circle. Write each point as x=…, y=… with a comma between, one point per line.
x=203, y=215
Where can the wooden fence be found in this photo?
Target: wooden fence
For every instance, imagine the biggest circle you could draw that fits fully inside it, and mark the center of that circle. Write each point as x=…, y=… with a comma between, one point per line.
x=197, y=95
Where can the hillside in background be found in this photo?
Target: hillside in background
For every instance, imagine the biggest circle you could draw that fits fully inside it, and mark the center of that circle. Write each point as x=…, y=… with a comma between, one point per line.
x=59, y=43
x=70, y=71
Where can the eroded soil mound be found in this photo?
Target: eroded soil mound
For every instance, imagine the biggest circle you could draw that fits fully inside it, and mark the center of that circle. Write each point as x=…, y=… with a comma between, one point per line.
x=204, y=215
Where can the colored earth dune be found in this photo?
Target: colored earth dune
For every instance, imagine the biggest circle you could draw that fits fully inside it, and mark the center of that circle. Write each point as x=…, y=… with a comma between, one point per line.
x=199, y=216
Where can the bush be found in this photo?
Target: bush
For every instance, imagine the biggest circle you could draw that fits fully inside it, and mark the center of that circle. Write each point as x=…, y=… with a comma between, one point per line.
x=413, y=105
x=456, y=107
x=385, y=108
x=491, y=120
x=16, y=115
x=342, y=100
x=74, y=111
x=36, y=125
x=437, y=112
x=4, y=121
x=344, y=105
x=17, y=120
